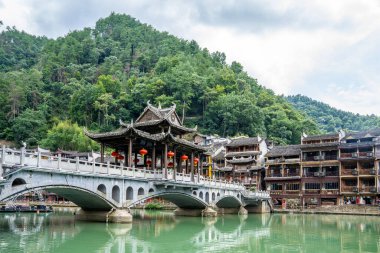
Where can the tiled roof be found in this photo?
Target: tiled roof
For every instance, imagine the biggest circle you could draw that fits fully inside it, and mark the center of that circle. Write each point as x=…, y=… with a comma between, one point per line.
x=239, y=154
x=241, y=160
x=362, y=134
x=243, y=142
x=321, y=137
x=319, y=145
x=290, y=150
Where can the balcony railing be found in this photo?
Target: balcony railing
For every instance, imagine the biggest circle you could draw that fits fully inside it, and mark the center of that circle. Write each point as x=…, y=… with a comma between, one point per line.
x=349, y=172
x=334, y=173
x=292, y=173
x=349, y=155
x=330, y=157
x=367, y=171
x=274, y=175
x=312, y=191
x=330, y=191
x=368, y=188
x=349, y=189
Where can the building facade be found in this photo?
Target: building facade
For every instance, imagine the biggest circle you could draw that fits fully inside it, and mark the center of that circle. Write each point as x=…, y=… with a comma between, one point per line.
x=330, y=169
x=244, y=161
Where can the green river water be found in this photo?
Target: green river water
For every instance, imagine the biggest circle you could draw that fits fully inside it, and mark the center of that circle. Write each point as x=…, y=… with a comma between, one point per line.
x=161, y=232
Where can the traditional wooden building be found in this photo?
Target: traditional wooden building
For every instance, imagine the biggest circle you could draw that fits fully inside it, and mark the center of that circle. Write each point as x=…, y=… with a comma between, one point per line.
x=153, y=141
x=359, y=158
x=245, y=157
x=320, y=169
x=283, y=174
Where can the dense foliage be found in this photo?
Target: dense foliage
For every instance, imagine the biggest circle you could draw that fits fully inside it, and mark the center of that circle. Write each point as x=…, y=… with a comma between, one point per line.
x=330, y=119
x=94, y=77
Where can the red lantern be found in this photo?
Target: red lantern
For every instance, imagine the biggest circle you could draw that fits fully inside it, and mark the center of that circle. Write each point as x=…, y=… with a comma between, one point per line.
x=136, y=160
x=143, y=152
x=114, y=153
x=184, y=157
x=170, y=154
x=148, y=162
x=196, y=160
x=170, y=164
x=120, y=157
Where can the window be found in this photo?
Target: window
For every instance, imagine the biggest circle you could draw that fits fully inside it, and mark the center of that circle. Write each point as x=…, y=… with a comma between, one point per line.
x=312, y=186
x=331, y=185
x=293, y=187
x=276, y=187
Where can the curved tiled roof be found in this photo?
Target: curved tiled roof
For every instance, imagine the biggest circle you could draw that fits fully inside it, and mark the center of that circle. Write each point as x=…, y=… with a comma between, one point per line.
x=243, y=142
x=241, y=160
x=290, y=150
x=321, y=137
x=245, y=153
x=320, y=145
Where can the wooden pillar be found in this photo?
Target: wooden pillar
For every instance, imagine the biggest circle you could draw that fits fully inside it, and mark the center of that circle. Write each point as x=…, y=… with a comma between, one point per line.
x=102, y=152
x=154, y=156
x=165, y=165
x=130, y=153
x=192, y=166
x=174, y=163
x=125, y=157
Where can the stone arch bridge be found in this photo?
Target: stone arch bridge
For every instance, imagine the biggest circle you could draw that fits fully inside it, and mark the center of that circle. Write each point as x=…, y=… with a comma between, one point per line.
x=106, y=192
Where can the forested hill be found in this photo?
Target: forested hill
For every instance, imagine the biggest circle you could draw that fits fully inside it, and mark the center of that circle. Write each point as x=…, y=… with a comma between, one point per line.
x=96, y=76
x=330, y=119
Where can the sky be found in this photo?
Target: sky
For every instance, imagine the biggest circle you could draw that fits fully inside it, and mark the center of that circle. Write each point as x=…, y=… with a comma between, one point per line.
x=327, y=50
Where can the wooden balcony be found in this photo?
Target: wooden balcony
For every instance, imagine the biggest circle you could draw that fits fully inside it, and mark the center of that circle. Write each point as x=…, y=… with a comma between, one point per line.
x=312, y=191
x=368, y=189
x=292, y=192
x=349, y=189
x=367, y=171
x=330, y=192
x=292, y=173
x=349, y=172
x=275, y=192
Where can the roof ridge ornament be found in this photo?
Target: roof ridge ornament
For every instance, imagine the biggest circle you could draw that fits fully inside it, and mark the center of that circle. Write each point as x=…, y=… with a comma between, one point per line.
x=159, y=105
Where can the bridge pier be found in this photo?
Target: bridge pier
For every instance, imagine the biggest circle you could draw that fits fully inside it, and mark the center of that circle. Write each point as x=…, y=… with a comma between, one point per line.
x=261, y=207
x=113, y=216
x=207, y=212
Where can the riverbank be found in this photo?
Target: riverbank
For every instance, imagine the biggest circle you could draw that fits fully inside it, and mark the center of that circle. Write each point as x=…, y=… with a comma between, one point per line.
x=345, y=210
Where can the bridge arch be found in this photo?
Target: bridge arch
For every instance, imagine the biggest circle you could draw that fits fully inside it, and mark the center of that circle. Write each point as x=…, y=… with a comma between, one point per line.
x=180, y=199
x=116, y=193
x=82, y=197
x=102, y=188
x=228, y=201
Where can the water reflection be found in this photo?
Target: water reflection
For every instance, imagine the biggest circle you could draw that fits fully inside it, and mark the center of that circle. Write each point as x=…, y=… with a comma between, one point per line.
x=163, y=232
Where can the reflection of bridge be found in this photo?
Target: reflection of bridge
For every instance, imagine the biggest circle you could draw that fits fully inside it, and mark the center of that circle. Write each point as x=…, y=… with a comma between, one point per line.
x=99, y=188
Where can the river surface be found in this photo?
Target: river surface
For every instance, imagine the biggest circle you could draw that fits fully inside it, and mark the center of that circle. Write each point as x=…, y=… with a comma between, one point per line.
x=161, y=232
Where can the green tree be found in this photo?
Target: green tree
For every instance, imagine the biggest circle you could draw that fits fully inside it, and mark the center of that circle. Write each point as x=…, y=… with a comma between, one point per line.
x=68, y=136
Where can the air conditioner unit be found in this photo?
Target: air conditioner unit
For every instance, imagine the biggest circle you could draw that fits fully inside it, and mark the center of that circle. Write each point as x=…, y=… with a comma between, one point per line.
x=316, y=174
x=354, y=154
x=369, y=154
x=316, y=158
x=354, y=172
x=355, y=189
x=322, y=174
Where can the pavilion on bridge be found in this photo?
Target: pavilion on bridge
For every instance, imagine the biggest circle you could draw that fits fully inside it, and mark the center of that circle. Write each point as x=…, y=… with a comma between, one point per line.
x=155, y=141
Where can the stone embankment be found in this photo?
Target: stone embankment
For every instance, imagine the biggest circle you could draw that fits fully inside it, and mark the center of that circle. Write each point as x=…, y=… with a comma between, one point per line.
x=345, y=209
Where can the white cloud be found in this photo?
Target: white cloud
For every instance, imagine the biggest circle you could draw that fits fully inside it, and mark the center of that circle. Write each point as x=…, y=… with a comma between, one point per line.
x=318, y=48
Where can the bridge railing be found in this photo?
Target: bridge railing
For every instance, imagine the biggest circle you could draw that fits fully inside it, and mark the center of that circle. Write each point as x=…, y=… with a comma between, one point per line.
x=21, y=158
